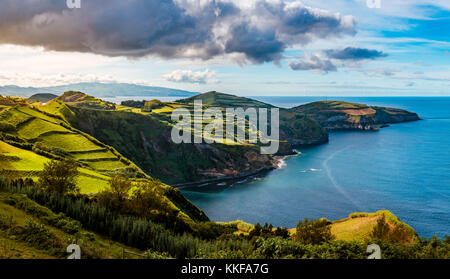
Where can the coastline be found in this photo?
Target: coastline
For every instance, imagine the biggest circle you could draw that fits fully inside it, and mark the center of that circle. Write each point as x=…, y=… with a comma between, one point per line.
x=279, y=162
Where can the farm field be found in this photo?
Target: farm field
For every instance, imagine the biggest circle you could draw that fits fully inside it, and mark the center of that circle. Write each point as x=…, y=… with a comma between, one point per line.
x=53, y=134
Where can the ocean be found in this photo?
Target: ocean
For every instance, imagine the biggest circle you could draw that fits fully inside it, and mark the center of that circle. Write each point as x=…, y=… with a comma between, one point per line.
x=404, y=168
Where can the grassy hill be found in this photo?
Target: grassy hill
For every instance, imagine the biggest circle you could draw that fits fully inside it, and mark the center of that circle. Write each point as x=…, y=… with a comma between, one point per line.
x=359, y=227
x=217, y=99
x=31, y=231
x=41, y=98
x=52, y=135
x=296, y=128
x=145, y=138
x=338, y=115
x=33, y=137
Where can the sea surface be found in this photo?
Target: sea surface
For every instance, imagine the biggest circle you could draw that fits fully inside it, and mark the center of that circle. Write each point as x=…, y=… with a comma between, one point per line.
x=404, y=168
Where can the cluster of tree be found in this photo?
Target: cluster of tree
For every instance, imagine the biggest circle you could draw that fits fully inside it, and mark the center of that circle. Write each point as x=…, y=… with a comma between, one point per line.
x=268, y=231
x=395, y=234
x=59, y=177
x=151, y=105
x=130, y=230
x=145, y=199
x=136, y=214
x=313, y=232
x=133, y=104
x=144, y=234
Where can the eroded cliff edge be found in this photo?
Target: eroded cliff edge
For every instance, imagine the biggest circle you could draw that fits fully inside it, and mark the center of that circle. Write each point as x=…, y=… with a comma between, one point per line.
x=340, y=116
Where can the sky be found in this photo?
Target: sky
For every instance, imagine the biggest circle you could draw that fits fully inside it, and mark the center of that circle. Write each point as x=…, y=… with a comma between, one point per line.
x=247, y=48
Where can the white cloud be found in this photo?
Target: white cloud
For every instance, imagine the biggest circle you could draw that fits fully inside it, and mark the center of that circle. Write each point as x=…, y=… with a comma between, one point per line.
x=189, y=76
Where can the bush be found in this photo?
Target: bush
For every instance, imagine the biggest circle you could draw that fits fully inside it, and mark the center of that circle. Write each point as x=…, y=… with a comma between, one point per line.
x=38, y=236
x=313, y=232
x=59, y=177
x=397, y=234
x=6, y=127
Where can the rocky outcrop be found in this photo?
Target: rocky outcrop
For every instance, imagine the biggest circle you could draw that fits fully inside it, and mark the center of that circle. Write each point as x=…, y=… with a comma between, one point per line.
x=338, y=116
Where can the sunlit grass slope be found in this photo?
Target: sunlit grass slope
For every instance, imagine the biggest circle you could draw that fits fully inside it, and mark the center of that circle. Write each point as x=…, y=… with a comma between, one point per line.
x=17, y=162
x=359, y=226
x=53, y=134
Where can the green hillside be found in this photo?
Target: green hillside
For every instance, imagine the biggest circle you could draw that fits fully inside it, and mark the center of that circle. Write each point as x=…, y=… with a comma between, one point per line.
x=296, y=128
x=33, y=137
x=150, y=217
x=31, y=231
x=338, y=115
x=41, y=98
x=52, y=135
x=214, y=98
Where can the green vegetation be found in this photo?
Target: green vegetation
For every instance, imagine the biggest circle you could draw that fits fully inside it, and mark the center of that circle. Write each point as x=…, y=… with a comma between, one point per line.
x=313, y=232
x=209, y=240
x=59, y=177
x=77, y=142
x=52, y=137
x=31, y=231
x=337, y=115
x=41, y=98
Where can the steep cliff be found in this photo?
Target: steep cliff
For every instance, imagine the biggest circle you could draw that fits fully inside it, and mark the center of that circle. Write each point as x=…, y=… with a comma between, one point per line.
x=335, y=115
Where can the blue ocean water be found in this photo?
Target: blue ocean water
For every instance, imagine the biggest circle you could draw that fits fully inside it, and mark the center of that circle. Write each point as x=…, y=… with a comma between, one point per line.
x=404, y=168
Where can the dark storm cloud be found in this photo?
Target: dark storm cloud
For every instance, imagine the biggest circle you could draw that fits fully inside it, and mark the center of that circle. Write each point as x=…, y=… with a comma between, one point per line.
x=314, y=63
x=351, y=53
x=259, y=32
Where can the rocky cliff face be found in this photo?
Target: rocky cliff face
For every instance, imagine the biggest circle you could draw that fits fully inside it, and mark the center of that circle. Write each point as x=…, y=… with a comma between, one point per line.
x=147, y=142
x=335, y=116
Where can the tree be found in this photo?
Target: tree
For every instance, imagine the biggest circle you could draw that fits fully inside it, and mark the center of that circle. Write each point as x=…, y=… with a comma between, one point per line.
x=313, y=231
x=59, y=177
x=120, y=187
x=381, y=230
x=116, y=195
x=149, y=196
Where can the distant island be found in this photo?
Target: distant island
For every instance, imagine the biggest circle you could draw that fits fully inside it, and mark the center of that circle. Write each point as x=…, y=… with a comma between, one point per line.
x=97, y=89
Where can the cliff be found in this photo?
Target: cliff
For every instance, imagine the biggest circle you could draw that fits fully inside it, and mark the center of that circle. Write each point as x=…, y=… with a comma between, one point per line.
x=336, y=115
x=296, y=128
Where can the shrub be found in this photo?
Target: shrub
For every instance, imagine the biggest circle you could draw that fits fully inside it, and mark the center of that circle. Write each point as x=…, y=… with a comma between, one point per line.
x=59, y=177
x=6, y=127
x=313, y=232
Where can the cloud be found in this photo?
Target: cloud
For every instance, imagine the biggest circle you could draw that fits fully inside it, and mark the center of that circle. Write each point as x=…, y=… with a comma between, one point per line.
x=329, y=60
x=258, y=31
x=355, y=54
x=35, y=79
x=314, y=63
x=188, y=76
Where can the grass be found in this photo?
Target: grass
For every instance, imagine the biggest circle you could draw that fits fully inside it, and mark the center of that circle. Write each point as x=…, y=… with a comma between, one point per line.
x=390, y=217
x=15, y=117
x=36, y=127
x=107, y=165
x=359, y=226
x=26, y=163
x=69, y=142
x=21, y=160
x=94, y=155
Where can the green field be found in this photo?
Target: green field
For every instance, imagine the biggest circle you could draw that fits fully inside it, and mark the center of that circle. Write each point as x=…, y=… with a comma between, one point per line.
x=34, y=126
x=28, y=164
